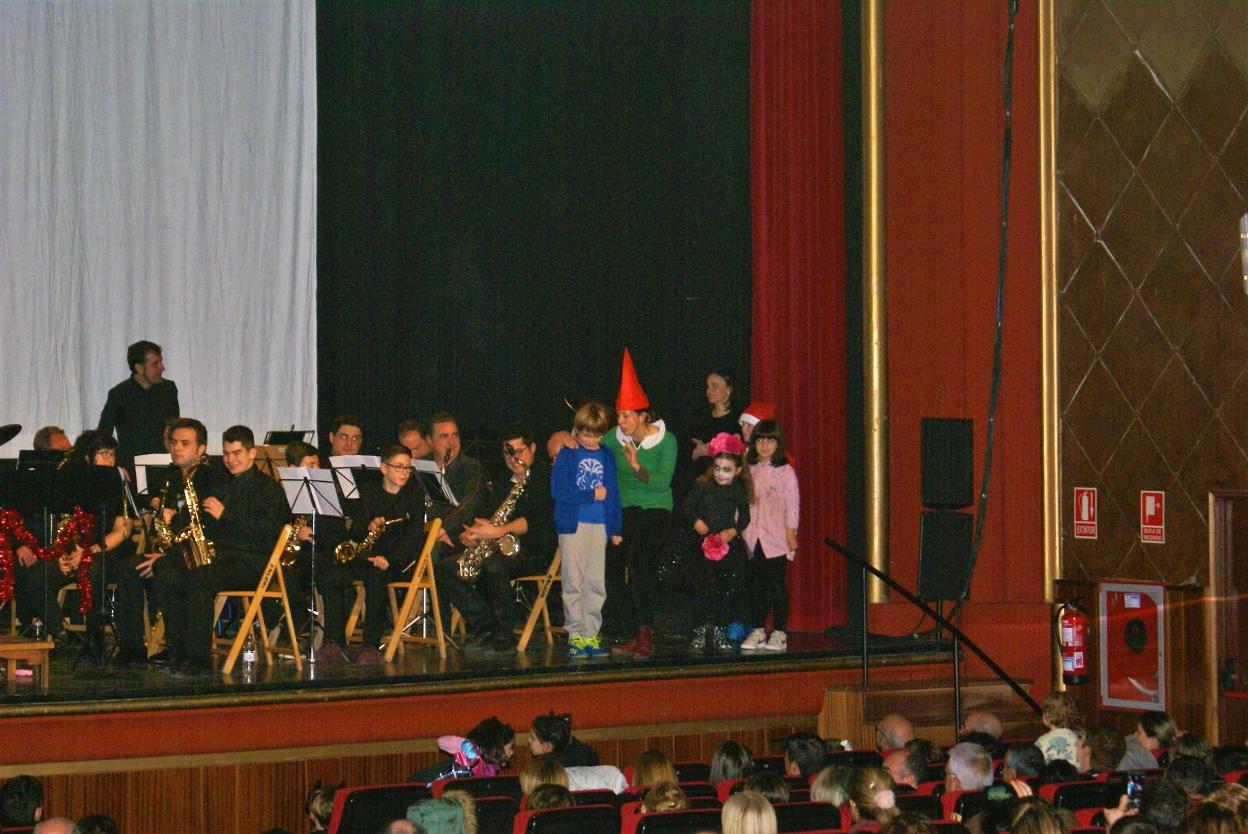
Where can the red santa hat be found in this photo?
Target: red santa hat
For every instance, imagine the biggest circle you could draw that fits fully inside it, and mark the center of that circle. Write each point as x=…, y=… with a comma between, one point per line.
x=757, y=411
x=631, y=397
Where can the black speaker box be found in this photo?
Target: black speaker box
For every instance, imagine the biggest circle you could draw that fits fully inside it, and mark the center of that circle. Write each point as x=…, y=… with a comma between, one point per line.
x=944, y=554
x=946, y=446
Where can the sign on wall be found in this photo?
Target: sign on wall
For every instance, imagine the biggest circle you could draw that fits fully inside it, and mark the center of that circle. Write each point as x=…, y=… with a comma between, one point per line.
x=1085, y=512
x=1152, y=516
x=1132, y=645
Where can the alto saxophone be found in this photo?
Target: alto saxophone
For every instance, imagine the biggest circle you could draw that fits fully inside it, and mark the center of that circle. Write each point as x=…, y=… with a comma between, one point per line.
x=468, y=565
x=199, y=550
x=348, y=550
x=292, y=544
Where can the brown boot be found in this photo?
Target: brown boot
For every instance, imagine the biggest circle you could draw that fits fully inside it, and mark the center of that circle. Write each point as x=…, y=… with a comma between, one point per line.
x=645, y=643
x=628, y=649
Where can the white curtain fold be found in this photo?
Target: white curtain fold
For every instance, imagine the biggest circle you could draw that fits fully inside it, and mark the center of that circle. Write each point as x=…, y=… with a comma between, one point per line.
x=158, y=181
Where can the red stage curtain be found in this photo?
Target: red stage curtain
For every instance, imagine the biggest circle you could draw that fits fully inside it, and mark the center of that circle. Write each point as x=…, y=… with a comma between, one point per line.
x=797, y=162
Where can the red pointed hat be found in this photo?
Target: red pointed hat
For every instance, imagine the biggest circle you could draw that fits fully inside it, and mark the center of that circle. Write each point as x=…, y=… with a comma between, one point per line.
x=631, y=397
x=757, y=411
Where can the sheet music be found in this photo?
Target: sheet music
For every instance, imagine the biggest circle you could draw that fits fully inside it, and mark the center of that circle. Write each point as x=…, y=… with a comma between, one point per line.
x=310, y=491
x=431, y=471
x=342, y=466
x=141, y=462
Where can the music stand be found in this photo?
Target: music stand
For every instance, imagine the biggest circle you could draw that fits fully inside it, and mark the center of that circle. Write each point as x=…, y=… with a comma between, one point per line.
x=285, y=437
x=269, y=458
x=311, y=492
x=346, y=470
x=95, y=489
x=152, y=471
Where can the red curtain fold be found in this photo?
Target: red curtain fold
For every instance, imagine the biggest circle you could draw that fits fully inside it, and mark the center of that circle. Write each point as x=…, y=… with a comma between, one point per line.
x=797, y=166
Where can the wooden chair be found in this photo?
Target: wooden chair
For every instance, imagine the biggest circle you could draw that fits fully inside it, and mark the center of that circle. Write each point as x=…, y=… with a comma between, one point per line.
x=12, y=606
x=154, y=633
x=355, y=634
x=422, y=578
x=67, y=620
x=544, y=582
x=251, y=601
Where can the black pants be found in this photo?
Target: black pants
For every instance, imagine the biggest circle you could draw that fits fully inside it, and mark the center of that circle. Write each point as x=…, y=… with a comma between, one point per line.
x=336, y=584
x=187, y=598
x=377, y=596
x=129, y=602
x=487, y=604
x=768, y=591
x=35, y=590
x=631, y=570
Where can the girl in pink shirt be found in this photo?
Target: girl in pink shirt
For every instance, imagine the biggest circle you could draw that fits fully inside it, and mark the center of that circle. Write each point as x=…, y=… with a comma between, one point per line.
x=771, y=536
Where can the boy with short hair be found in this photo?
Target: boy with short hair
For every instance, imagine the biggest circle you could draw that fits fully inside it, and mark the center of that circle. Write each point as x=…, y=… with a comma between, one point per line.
x=587, y=513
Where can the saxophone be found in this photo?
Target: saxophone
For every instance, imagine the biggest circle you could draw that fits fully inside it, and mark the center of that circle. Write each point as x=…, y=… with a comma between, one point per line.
x=199, y=550
x=348, y=550
x=468, y=565
x=292, y=544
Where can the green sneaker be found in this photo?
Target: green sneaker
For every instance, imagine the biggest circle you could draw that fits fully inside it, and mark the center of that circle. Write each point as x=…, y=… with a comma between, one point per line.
x=592, y=648
x=576, y=647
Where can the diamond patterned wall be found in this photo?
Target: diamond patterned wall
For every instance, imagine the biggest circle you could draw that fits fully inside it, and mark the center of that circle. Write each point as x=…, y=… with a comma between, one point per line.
x=1152, y=158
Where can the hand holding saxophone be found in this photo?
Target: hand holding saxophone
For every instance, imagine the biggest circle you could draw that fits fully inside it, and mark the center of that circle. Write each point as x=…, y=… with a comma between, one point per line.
x=213, y=506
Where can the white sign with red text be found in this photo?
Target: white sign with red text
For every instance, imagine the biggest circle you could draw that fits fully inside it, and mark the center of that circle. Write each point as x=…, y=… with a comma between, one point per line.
x=1085, y=512
x=1152, y=516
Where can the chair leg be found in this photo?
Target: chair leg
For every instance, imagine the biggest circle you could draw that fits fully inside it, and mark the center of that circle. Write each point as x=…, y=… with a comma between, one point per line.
x=290, y=619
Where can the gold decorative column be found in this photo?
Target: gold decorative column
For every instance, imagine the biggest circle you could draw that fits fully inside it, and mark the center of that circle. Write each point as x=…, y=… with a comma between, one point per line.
x=1051, y=418
x=875, y=336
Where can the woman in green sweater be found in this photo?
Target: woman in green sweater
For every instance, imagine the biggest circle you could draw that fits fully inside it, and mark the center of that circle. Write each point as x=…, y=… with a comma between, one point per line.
x=645, y=458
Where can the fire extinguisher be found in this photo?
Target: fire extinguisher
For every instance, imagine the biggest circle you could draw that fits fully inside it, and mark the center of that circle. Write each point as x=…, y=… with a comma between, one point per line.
x=1072, y=624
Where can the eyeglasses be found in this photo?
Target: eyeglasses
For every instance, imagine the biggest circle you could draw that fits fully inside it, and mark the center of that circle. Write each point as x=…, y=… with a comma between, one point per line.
x=396, y=465
x=512, y=452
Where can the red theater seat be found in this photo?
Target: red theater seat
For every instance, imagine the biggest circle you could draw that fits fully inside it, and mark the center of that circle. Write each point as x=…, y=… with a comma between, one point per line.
x=364, y=810
x=588, y=819
x=481, y=786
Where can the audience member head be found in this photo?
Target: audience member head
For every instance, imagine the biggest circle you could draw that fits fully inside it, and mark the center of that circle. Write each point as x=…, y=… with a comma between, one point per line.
x=773, y=786
x=1022, y=761
x=804, y=754
x=730, y=760
x=495, y=740
x=57, y=825
x=402, y=827
x=907, y=823
x=545, y=797
x=1037, y=817
x=665, y=796
x=97, y=824
x=1230, y=757
x=550, y=733
x=1191, y=774
x=1232, y=797
x=928, y=750
x=1133, y=825
x=468, y=803
x=21, y=801
x=1100, y=750
x=969, y=768
x=1060, y=712
x=438, y=816
x=1164, y=804
x=989, y=742
x=1194, y=745
x=871, y=795
x=892, y=732
x=832, y=784
x=1209, y=819
x=983, y=722
x=897, y=763
x=1156, y=730
x=1058, y=770
x=748, y=813
x=319, y=804
x=653, y=767
x=542, y=770
x=52, y=439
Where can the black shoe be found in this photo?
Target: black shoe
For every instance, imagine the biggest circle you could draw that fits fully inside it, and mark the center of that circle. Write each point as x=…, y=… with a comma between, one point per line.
x=502, y=642
x=129, y=657
x=165, y=658
x=478, y=640
x=195, y=666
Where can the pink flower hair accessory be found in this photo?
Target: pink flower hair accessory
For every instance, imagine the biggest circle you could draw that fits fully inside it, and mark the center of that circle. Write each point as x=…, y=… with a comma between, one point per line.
x=725, y=442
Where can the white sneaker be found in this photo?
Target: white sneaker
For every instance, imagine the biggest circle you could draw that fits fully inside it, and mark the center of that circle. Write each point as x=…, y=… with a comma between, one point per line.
x=754, y=641
x=777, y=642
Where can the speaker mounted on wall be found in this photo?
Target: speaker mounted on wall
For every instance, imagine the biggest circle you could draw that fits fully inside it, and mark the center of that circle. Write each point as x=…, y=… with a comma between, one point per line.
x=944, y=554
x=946, y=447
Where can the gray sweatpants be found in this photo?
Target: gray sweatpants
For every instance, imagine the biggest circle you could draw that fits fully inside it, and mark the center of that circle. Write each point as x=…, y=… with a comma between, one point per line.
x=582, y=573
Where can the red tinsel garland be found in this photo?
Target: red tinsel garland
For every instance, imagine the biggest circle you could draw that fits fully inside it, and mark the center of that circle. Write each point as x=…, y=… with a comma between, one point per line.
x=81, y=527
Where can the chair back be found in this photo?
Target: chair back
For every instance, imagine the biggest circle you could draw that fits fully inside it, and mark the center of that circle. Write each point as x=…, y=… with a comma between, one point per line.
x=496, y=813
x=702, y=788
x=364, y=810
x=481, y=786
x=917, y=803
x=856, y=758
x=950, y=827
x=588, y=819
x=678, y=822
x=773, y=763
x=806, y=816
x=693, y=771
x=956, y=802
x=1076, y=795
x=599, y=796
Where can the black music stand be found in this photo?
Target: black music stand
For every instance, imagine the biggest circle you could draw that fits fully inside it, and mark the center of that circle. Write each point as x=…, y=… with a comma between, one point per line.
x=96, y=488
x=280, y=437
x=311, y=492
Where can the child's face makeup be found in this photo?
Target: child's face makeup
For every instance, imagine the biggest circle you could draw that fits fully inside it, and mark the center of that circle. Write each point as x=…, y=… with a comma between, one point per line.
x=725, y=471
x=765, y=446
x=588, y=440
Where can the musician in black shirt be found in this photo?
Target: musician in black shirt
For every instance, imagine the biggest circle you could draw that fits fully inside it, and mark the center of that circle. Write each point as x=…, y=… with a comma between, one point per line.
x=399, y=499
x=465, y=480
x=139, y=407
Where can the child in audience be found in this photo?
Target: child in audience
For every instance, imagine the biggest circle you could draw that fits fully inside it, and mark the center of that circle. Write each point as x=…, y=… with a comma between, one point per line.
x=542, y=770
x=748, y=812
x=771, y=536
x=551, y=735
x=1061, y=716
x=717, y=510
x=653, y=767
x=771, y=785
x=664, y=796
x=545, y=797
x=730, y=761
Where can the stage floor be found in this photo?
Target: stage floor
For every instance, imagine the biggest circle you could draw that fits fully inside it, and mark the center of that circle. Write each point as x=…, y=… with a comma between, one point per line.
x=82, y=687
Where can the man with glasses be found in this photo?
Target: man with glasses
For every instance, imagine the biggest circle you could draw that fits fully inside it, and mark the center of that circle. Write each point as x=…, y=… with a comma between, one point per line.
x=487, y=602
x=395, y=509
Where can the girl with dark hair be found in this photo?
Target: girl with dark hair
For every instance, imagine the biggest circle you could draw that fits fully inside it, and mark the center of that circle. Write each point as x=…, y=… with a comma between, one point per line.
x=551, y=735
x=771, y=536
x=731, y=760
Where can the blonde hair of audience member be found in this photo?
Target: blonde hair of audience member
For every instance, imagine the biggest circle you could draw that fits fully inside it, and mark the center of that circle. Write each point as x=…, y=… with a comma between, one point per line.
x=549, y=795
x=831, y=785
x=1207, y=818
x=871, y=795
x=319, y=805
x=1233, y=798
x=1037, y=817
x=542, y=770
x=1061, y=712
x=653, y=767
x=907, y=823
x=469, y=804
x=664, y=796
x=748, y=812
x=770, y=784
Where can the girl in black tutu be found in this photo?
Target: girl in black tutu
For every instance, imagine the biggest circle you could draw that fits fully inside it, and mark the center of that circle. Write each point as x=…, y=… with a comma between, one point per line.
x=716, y=512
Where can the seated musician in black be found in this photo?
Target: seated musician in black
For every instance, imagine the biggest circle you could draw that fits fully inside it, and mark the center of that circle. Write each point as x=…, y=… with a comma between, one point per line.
x=334, y=581
x=242, y=514
x=400, y=500
x=486, y=601
x=464, y=478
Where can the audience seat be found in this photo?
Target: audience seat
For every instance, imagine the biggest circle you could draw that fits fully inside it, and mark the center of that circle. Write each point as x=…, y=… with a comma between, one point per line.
x=802, y=816
x=481, y=786
x=692, y=772
x=496, y=813
x=965, y=804
x=1076, y=795
x=948, y=827
x=856, y=758
x=917, y=803
x=936, y=772
x=598, y=797
x=587, y=819
x=1091, y=818
x=365, y=810
x=700, y=788
x=672, y=822
x=931, y=788
x=773, y=763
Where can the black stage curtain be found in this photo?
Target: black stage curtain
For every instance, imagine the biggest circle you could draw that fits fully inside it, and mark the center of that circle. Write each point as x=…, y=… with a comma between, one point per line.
x=510, y=193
